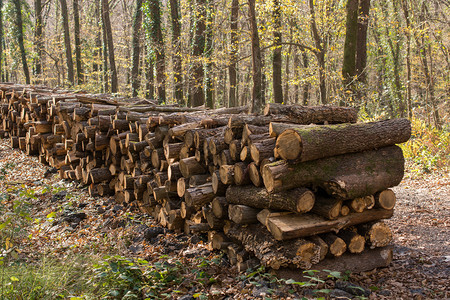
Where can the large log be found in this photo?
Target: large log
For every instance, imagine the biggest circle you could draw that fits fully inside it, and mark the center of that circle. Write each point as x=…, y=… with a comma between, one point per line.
x=295, y=226
x=313, y=114
x=362, y=262
x=345, y=176
x=274, y=254
x=299, y=200
x=310, y=143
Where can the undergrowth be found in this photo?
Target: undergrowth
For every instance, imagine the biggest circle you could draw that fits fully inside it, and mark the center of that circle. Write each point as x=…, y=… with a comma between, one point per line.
x=428, y=149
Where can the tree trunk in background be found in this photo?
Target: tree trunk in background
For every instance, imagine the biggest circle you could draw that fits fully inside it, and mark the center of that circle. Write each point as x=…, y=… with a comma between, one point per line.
x=149, y=78
x=105, y=53
x=427, y=67
x=158, y=44
x=176, y=58
x=109, y=38
x=392, y=35
x=287, y=71
x=276, y=60
x=257, y=101
x=96, y=67
x=2, y=77
x=137, y=24
x=65, y=20
x=37, y=37
x=351, y=33
x=19, y=26
x=408, y=57
x=361, y=40
x=208, y=55
x=232, y=72
x=198, y=97
x=306, y=84
x=296, y=75
x=320, y=54
x=76, y=20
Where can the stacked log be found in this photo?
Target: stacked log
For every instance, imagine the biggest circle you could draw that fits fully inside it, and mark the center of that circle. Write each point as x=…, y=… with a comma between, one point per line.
x=294, y=187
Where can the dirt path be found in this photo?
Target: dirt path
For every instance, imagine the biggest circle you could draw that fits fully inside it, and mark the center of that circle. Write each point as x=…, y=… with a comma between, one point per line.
x=72, y=222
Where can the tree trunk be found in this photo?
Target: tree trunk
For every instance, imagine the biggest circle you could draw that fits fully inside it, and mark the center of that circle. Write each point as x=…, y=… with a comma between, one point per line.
x=277, y=59
x=19, y=27
x=109, y=37
x=257, y=100
x=314, y=142
x=158, y=44
x=38, y=42
x=135, y=44
x=293, y=226
x=361, y=42
x=320, y=49
x=105, y=52
x=351, y=33
x=176, y=48
x=198, y=96
x=209, y=74
x=340, y=176
x=298, y=200
x=76, y=20
x=69, y=61
x=232, y=72
x=408, y=57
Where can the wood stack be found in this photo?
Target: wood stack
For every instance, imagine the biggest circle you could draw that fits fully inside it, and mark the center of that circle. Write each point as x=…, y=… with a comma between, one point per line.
x=295, y=186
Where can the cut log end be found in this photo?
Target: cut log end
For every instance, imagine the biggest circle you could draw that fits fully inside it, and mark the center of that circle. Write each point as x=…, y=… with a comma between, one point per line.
x=289, y=145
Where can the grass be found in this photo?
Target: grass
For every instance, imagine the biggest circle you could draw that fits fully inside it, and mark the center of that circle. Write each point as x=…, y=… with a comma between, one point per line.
x=48, y=278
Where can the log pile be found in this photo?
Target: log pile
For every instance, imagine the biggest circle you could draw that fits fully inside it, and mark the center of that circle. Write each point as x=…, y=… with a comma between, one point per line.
x=293, y=187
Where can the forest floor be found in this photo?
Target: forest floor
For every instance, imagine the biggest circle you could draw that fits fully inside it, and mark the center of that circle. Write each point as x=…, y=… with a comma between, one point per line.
x=65, y=224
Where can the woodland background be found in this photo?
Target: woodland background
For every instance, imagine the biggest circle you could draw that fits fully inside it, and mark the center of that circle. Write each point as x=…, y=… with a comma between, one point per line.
x=389, y=58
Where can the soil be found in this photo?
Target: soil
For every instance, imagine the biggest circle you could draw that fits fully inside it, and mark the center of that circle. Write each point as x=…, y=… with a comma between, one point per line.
x=69, y=221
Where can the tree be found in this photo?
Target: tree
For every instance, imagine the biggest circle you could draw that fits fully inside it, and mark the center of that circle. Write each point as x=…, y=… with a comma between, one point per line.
x=76, y=20
x=198, y=97
x=257, y=99
x=208, y=55
x=38, y=43
x=176, y=49
x=349, y=63
x=276, y=60
x=158, y=46
x=232, y=72
x=137, y=24
x=110, y=43
x=65, y=20
x=2, y=77
x=19, y=26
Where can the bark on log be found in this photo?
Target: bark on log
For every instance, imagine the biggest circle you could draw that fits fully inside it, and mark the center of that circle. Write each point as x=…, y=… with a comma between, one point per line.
x=327, y=207
x=294, y=226
x=310, y=143
x=242, y=214
x=190, y=166
x=298, y=200
x=274, y=254
x=262, y=150
x=219, y=207
x=198, y=196
x=313, y=114
x=345, y=176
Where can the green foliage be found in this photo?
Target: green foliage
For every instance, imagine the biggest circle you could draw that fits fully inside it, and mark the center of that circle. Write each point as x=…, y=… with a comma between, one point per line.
x=428, y=148
x=47, y=278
